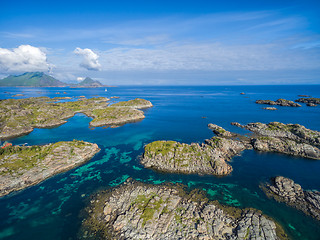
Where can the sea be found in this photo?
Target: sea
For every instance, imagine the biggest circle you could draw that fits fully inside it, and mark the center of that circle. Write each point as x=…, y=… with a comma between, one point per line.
x=52, y=209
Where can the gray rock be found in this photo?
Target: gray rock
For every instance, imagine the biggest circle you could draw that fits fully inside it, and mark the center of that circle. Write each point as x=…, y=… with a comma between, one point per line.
x=285, y=190
x=280, y=102
x=270, y=108
x=140, y=211
x=207, y=158
x=292, y=139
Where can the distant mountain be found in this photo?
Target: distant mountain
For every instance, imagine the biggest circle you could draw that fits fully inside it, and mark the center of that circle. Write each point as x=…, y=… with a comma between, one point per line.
x=31, y=79
x=89, y=82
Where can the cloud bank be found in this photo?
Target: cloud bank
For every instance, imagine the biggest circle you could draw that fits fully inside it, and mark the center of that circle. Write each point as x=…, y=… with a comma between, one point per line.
x=24, y=58
x=90, y=59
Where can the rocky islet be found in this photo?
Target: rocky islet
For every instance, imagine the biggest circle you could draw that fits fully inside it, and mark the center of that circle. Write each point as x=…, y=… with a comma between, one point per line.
x=210, y=157
x=136, y=210
x=279, y=102
x=20, y=116
x=286, y=190
x=24, y=166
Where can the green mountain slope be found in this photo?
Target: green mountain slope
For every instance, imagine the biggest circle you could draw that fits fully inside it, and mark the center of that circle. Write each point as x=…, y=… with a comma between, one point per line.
x=88, y=82
x=31, y=79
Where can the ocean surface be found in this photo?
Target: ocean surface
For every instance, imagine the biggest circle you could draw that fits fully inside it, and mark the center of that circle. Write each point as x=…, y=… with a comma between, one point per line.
x=51, y=210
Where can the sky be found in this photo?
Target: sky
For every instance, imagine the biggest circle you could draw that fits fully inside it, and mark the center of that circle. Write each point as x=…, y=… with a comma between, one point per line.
x=164, y=42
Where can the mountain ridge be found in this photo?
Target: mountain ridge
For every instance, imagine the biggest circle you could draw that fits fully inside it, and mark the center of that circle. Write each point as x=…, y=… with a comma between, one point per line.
x=40, y=79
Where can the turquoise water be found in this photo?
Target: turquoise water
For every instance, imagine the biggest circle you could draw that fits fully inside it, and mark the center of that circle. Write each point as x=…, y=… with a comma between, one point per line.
x=51, y=209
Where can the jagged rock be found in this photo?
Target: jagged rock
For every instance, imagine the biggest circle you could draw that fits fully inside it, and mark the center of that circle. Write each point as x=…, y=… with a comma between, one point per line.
x=219, y=131
x=207, y=158
x=280, y=102
x=286, y=146
x=142, y=211
x=292, y=139
x=295, y=132
x=311, y=105
x=237, y=124
x=309, y=100
x=285, y=190
x=24, y=166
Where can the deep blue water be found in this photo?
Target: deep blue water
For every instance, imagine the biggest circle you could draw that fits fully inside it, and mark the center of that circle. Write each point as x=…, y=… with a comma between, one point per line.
x=51, y=209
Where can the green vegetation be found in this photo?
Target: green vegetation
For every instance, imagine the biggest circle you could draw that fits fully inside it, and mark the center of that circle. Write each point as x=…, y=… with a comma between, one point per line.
x=31, y=79
x=88, y=82
x=20, y=116
x=148, y=205
x=277, y=126
x=131, y=103
x=162, y=147
x=113, y=113
x=20, y=158
x=264, y=138
x=216, y=141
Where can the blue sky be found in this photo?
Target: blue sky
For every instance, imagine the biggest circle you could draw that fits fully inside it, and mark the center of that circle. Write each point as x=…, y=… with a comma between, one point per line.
x=163, y=42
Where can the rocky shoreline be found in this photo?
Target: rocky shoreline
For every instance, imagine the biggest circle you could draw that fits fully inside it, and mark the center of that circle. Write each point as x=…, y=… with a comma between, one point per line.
x=135, y=210
x=310, y=101
x=279, y=102
x=20, y=116
x=212, y=156
x=291, y=139
x=285, y=190
x=24, y=166
x=207, y=158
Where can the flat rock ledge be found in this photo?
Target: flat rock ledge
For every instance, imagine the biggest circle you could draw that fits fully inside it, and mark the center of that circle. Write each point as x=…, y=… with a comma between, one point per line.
x=24, y=166
x=207, y=158
x=279, y=102
x=285, y=190
x=291, y=139
x=136, y=210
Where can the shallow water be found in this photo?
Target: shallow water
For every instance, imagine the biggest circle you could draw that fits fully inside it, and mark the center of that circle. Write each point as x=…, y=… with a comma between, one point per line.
x=51, y=209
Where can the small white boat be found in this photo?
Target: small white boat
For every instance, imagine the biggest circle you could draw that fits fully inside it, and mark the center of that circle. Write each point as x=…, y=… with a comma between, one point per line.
x=105, y=90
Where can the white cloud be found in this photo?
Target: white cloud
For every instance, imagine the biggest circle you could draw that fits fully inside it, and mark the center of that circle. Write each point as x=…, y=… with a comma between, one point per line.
x=90, y=59
x=80, y=79
x=209, y=57
x=23, y=58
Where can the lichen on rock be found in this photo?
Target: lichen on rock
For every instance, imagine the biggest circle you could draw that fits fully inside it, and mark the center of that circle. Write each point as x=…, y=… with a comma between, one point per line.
x=24, y=166
x=136, y=210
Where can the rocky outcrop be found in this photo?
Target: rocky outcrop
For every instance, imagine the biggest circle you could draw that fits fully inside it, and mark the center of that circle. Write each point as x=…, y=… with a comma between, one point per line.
x=19, y=117
x=292, y=139
x=311, y=105
x=208, y=158
x=219, y=131
x=295, y=132
x=24, y=166
x=285, y=190
x=309, y=100
x=140, y=211
x=137, y=103
x=270, y=108
x=279, y=102
x=285, y=146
